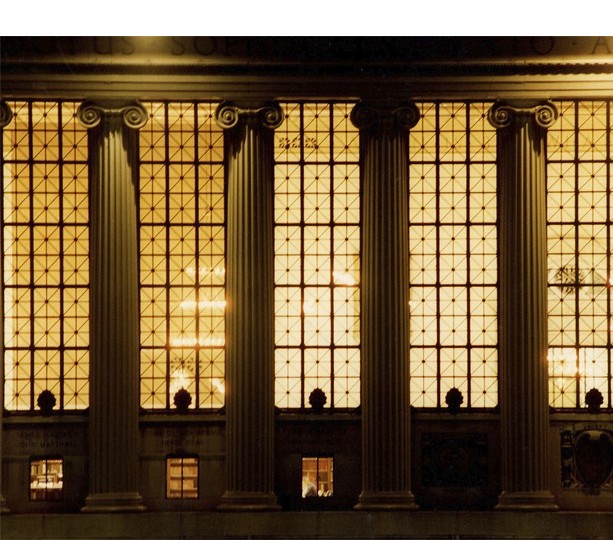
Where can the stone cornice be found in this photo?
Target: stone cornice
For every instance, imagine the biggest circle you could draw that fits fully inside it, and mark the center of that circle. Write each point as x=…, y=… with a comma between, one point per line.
x=199, y=86
x=233, y=67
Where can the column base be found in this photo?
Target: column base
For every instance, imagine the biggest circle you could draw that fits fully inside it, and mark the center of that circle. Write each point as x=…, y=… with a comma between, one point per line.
x=248, y=501
x=114, y=502
x=386, y=500
x=527, y=500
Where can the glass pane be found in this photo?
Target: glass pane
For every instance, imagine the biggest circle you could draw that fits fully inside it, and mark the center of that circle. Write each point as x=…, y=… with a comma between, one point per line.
x=453, y=259
x=45, y=233
x=182, y=268
x=579, y=253
x=317, y=477
x=46, y=479
x=182, y=477
x=317, y=264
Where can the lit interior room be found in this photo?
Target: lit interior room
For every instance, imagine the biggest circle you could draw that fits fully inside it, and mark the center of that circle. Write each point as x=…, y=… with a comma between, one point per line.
x=291, y=287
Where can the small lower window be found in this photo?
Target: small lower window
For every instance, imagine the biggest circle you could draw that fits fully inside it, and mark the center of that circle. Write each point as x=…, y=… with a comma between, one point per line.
x=46, y=479
x=182, y=477
x=317, y=477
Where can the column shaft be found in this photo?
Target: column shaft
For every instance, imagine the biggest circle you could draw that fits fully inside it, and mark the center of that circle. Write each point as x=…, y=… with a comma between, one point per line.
x=522, y=255
x=384, y=147
x=249, y=307
x=114, y=354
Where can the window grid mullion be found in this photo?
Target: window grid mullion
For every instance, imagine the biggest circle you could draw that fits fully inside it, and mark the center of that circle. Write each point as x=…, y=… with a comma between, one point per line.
x=331, y=286
x=577, y=287
x=469, y=397
x=32, y=229
x=438, y=256
x=167, y=227
x=61, y=227
x=197, y=353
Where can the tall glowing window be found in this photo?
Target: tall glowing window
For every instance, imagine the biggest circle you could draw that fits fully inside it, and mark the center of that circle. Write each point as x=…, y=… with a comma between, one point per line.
x=317, y=270
x=452, y=235
x=182, y=272
x=45, y=247
x=579, y=214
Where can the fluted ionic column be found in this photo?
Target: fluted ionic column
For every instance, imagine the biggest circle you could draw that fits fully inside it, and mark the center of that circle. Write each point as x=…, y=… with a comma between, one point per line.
x=6, y=116
x=249, y=144
x=522, y=308
x=114, y=309
x=384, y=158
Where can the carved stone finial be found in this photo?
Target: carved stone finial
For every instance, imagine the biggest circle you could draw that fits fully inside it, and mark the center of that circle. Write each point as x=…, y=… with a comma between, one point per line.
x=317, y=400
x=454, y=400
x=46, y=401
x=364, y=116
x=594, y=400
x=228, y=115
x=90, y=114
x=6, y=115
x=501, y=114
x=182, y=400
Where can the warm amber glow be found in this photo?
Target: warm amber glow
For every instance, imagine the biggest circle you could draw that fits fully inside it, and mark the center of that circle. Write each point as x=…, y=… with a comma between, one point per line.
x=317, y=265
x=317, y=477
x=46, y=256
x=182, y=255
x=579, y=259
x=192, y=305
x=183, y=341
x=182, y=476
x=453, y=264
x=46, y=479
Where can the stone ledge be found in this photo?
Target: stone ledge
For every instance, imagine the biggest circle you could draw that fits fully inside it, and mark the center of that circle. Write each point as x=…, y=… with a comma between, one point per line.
x=309, y=525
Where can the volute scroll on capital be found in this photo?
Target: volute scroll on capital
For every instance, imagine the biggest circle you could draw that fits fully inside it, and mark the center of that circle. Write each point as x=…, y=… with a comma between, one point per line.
x=228, y=115
x=365, y=116
x=502, y=114
x=6, y=115
x=91, y=114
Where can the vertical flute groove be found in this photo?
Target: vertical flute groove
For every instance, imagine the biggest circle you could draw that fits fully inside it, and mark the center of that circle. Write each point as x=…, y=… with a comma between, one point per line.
x=249, y=314
x=523, y=307
x=114, y=360
x=386, y=482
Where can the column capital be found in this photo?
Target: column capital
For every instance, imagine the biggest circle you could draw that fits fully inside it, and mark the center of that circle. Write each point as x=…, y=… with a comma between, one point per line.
x=366, y=115
x=133, y=113
x=502, y=113
x=228, y=115
x=6, y=115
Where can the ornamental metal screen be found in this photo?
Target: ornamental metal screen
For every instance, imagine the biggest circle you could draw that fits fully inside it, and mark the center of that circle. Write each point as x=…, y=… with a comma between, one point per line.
x=317, y=250
x=182, y=273
x=579, y=206
x=45, y=254
x=453, y=267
